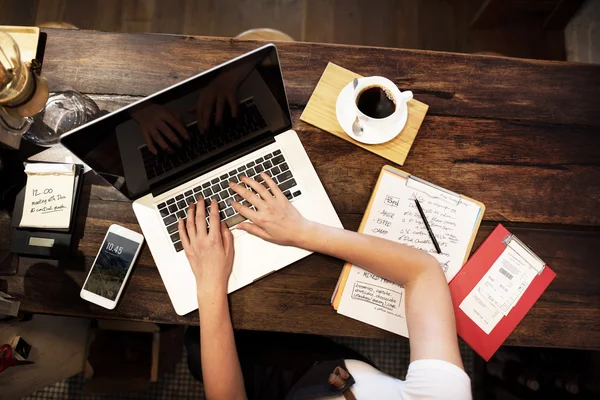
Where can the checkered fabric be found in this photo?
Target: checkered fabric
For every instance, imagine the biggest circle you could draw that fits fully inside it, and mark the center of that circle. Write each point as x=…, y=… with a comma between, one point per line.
x=58, y=391
x=179, y=384
x=390, y=355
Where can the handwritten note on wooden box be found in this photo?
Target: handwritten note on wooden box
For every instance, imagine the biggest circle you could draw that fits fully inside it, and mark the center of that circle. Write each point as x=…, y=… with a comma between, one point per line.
x=394, y=216
x=48, y=195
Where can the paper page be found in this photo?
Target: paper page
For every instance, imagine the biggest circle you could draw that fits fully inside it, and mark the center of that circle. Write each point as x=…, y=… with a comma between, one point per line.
x=432, y=191
x=534, y=262
x=509, y=277
x=481, y=311
x=394, y=216
x=499, y=290
x=48, y=195
x=375, y=301
x=59, y=154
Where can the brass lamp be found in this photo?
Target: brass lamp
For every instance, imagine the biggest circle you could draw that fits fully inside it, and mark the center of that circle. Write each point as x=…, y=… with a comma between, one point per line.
x=22, y=93
x=28, y=109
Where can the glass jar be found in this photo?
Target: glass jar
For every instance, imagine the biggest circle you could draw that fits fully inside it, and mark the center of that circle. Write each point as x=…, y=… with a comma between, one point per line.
x=64, y=111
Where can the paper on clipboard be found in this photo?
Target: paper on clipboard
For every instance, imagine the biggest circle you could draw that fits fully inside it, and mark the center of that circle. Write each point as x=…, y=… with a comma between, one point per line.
x=502, y=286
x=392, y=214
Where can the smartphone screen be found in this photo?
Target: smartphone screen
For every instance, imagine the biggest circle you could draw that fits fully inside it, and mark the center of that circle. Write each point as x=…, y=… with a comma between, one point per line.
x=111, y=266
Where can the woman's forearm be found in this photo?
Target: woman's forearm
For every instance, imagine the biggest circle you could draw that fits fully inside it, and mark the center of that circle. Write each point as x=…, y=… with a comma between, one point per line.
x=394, y=261
x=221, y=370
x=429, y=313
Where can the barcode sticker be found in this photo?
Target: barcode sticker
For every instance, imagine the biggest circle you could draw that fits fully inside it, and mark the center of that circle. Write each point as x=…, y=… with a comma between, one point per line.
x=506, y=273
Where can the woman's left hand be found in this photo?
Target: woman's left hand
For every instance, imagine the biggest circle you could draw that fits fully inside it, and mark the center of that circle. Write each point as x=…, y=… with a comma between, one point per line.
x=210, y=253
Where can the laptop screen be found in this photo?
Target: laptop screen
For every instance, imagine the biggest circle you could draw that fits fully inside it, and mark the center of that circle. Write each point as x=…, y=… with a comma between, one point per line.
x=187, y=127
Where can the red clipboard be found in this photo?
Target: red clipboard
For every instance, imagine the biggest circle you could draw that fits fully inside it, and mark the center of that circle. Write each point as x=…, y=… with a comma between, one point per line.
x=469, y=276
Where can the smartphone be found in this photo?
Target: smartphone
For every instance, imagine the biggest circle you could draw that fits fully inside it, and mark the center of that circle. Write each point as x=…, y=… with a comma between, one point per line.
x=112, y=266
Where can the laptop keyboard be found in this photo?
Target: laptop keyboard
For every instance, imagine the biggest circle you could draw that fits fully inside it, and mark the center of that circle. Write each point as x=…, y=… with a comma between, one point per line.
x=248, y=120
x=274, y=164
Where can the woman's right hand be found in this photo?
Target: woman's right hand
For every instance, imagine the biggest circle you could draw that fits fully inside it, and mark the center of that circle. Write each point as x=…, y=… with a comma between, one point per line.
x=275, y=219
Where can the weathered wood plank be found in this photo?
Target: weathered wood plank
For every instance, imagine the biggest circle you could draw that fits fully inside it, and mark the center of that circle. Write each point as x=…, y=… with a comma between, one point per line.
x=521, y=172
x=296, y=299
x=518, y=135
x=534, y=172
x=452, y=84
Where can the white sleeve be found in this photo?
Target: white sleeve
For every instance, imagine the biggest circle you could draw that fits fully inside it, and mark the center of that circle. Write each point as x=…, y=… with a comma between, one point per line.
x=436, y=379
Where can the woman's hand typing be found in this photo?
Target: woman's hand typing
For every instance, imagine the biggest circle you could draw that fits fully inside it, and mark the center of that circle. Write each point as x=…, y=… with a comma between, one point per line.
x=275, y=218
x=210, y=253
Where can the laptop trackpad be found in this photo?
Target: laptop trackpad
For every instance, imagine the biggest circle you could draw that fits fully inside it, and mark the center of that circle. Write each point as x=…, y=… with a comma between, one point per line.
x=255, y=258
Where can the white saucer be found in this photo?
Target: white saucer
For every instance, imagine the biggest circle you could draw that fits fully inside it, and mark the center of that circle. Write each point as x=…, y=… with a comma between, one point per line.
x=344, y=110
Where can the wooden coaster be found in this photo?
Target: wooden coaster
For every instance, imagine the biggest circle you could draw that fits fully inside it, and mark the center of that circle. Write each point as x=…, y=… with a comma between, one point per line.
x=320, y=112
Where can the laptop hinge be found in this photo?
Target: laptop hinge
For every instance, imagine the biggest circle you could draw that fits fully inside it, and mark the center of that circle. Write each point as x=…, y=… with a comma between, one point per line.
x=222, y=160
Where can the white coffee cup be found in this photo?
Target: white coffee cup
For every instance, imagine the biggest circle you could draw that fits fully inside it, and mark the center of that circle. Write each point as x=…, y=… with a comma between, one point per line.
x=364, y=122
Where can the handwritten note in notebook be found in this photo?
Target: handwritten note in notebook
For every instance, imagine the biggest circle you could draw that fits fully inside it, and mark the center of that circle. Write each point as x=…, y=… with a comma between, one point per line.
x=48, y=195
x=394, y=216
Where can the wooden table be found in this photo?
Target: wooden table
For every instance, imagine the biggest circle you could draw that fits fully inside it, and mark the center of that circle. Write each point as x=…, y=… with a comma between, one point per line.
x=519, y=135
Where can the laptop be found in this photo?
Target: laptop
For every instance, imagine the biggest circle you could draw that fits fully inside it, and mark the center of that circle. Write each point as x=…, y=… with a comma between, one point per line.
x=238, y=122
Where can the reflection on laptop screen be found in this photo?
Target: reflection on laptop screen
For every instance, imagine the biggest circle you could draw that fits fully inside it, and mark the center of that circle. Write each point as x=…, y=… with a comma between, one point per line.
x=188, y=126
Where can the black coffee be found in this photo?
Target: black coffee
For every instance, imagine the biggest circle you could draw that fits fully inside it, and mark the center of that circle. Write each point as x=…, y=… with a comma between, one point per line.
x=375, y=102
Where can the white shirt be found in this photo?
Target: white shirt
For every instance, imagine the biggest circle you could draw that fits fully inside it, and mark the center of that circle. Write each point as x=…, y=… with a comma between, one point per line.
x=426, y=379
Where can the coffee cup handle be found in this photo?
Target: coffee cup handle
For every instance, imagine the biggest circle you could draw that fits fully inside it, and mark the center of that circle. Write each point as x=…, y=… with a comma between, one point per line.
x=406, y=96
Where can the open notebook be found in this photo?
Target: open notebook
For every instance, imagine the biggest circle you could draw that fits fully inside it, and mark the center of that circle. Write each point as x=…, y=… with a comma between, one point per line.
x=392, y=214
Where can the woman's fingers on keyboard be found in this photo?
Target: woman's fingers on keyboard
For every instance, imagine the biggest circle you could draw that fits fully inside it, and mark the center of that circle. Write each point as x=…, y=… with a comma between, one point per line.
x=276, y=192
x=200, y=217
x=214, y=217
x=190, y=222
x=247, y=194
x=245, y=211
x=185, y=241
x=258, y=188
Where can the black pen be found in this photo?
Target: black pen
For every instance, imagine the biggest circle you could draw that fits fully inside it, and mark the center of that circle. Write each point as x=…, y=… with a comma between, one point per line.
x=435, y=243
